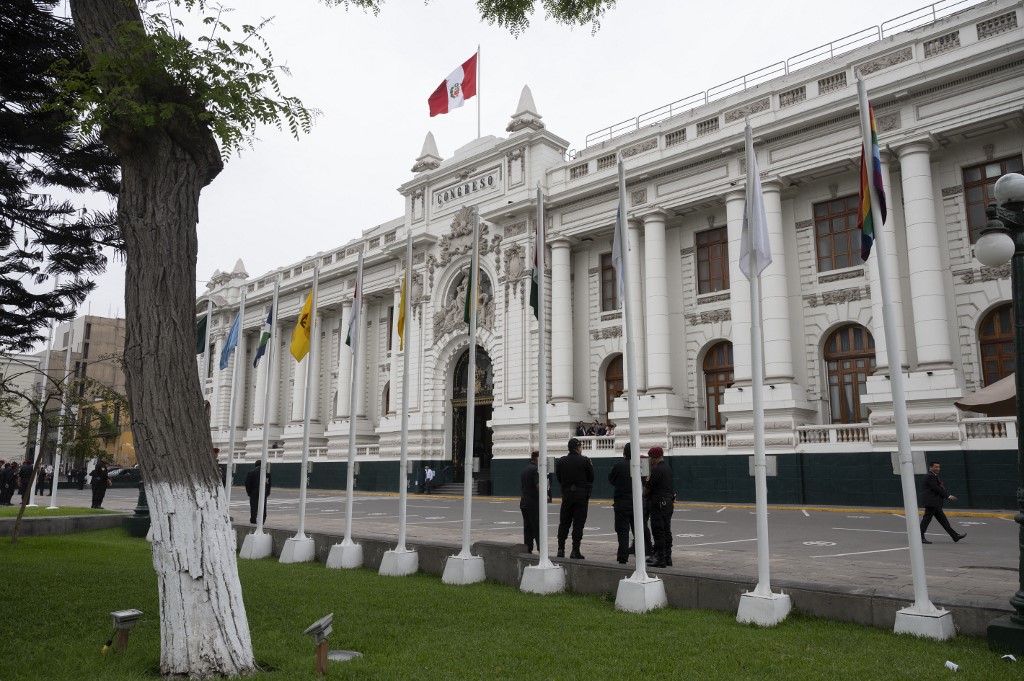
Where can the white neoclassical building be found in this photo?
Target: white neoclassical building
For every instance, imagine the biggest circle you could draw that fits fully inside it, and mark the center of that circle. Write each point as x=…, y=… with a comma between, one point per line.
x=949, y=101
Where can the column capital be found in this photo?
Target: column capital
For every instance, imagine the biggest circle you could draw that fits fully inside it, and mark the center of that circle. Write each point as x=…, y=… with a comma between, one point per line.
x=562, y=241
x=634, y=222
x=919, y=146
x=772, y=184
x=734, y=195
x=653, y=214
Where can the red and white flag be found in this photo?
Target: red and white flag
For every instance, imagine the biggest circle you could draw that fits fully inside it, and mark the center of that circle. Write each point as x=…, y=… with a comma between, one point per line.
x=459, y=86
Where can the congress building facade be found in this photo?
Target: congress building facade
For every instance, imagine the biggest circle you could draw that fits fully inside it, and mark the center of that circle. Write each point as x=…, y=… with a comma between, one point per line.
x=948, y=96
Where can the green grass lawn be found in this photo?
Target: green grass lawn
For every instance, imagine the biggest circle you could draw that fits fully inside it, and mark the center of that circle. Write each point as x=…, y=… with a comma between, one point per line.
x=418, y=628
x=42, y=510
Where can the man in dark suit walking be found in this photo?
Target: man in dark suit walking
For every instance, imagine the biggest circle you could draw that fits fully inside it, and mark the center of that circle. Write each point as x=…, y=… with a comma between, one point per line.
x=933, y=496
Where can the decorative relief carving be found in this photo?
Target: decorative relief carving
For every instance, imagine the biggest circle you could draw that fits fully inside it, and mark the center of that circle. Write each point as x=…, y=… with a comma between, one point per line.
x=514, y=259
x=640, y=147
x=833, y=189
x=638, y=198
x=686, y=251
x=594, y=270
x=804, y=224
x=515, y=229
x=840, y=276
x=966, y=276
x=459, y=241
x=611, y=316
x=610, y=332
x=889, y=121
x=466, y=173
x=956, y=190
x=990, y=151
x=450, y=317
x=846, y=295
x=709, y=317
x=718, y=298
x=756, y=106
x=886, y=61
x=994, y=273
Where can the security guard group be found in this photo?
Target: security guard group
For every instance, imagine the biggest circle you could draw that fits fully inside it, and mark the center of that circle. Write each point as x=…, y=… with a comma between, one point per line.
x=575, y=475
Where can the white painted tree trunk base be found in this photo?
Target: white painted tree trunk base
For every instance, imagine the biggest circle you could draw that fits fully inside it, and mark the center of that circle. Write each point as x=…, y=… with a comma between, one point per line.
x=298, y=550
x=345, y=556
x=463, y=570
x=256, y=546
x=397, y=563
x=763, y=610
x=640, y=595
x=936, y=625
x=543, y=579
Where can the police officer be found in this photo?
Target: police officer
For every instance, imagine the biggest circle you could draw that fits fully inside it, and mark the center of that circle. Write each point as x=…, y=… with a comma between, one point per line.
x=529, y=503
x=100, y=483
x=622, y=503
x=252, y=488
x=661, y=496
x=575, y=473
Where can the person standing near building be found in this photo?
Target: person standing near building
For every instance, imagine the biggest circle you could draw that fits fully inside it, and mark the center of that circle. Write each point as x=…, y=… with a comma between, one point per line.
x=24, y=478
x=933, y=497
x=622, y=503
x=661, y=496
x=100, y=483
x=575, y=474
x=428, y=479
x=529, y=502
x=252, y=488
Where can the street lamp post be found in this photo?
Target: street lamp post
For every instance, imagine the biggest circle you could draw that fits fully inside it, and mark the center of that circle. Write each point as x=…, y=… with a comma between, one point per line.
x=1001, y=241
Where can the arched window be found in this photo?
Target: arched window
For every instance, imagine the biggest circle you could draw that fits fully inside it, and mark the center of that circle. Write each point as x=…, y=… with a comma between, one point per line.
x=995, y=336
x=613, y=385
x=849, y=359
x=718, y=375
x=386, y=399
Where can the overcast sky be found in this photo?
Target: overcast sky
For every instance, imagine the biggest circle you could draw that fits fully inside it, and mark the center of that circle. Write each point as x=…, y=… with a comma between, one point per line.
x=370, y=77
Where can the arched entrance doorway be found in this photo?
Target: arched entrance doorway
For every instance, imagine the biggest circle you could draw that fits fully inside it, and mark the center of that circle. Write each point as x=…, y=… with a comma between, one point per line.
x=482, y=436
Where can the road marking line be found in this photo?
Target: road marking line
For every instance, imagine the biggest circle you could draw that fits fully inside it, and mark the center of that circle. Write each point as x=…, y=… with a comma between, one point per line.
x=900, y=515
x=860, y=553
x=859, y=529
x=719, y=522
x=713, y=543
x=721, y=509
x=1010, y=519
x=805, y=513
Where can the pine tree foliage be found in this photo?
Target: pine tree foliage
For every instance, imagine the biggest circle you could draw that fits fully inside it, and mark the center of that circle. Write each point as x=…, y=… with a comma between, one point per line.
x=43, y=233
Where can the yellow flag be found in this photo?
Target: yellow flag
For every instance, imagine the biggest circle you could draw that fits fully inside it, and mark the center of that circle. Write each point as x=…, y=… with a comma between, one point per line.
x=401, y=318
x=301, y=334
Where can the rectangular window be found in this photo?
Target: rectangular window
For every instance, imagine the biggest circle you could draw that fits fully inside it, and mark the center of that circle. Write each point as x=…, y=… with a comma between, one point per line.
x=713, y=260
x=978, y=183
x=88, y=330
x=609, y=290
x=391, y=325
x=85, y=350
x=836, y=236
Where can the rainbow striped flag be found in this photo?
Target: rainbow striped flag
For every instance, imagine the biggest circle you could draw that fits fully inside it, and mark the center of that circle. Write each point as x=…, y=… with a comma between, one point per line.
x=865, y=221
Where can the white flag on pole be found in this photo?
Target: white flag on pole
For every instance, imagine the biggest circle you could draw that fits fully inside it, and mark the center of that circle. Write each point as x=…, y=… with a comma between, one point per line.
x=754, y=240
x=620, y=234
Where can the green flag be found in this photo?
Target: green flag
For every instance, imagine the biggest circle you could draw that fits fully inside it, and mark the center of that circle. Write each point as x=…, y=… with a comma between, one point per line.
x=201, y=335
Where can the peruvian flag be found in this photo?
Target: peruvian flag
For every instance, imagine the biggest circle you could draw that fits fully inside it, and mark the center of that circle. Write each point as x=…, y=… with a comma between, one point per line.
x=454, y=90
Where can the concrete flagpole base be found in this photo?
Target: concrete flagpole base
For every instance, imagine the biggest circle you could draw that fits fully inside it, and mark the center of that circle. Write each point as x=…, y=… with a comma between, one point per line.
x=345, y=556
x=763, y=610
x=256, y=545
x=543, y=579
x=640, y=595
x=936, y=625
x=298, y=550
x=463, y=570
x=397, y=563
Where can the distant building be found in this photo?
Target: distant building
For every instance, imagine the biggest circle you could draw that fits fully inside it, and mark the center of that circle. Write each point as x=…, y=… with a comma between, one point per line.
x=21, y=372
x=947, y=96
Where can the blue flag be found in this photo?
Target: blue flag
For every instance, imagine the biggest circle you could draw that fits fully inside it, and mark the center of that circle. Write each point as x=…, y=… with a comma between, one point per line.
x=230, y=343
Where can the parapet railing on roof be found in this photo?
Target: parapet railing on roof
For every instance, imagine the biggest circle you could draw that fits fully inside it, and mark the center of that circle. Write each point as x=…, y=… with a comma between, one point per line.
x=905, y=22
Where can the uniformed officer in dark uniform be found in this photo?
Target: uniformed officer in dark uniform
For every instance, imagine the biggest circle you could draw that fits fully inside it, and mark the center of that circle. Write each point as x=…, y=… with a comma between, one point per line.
x=575, y=474
x=252, y=488
x=622, y=503
x=661, y=497
x=529, y=503
x=100, y=483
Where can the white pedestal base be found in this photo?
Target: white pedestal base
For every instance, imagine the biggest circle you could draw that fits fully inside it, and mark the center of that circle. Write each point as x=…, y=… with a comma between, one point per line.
x=345, y=556
x=298, y=550
x=463, y=570
x=937, y=625
x=765, y=611
x=640, y=595
x=543, y=579
x=397, y=563
x=256, y=545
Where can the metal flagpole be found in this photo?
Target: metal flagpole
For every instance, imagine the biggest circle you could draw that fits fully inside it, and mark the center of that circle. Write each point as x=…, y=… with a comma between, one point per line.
x=406, y=349
x=922, y=605
x=206, y=343
x=233, y=408
x=44, y=396
x=269, y=360
x=478, y=90
x=357, y=303
x=542, y=385
x=60, y=429
x=311, y=358
x=467, y=459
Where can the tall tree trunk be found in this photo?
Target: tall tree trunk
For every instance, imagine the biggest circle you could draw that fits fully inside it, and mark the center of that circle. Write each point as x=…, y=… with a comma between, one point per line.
x=203, y=627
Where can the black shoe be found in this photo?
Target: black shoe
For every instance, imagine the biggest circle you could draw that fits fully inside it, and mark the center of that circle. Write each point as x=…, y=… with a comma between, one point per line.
x=632, y=550
x=560, y=554
x=622, y=562
x=959, y=537
x=576, y=555
x=668, y=561
x=659, y=562
x=924, y=540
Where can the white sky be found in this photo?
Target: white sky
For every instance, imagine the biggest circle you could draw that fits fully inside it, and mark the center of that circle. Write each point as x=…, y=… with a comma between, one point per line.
x=286, y=199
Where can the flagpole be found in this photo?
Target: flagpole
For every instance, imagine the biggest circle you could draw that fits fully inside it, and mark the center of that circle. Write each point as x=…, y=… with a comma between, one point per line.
x=467, y=459
x=478, y=90
x=406, y=349
x=203, y=370
x=42, y=415
x=55, y=483
x=922, y=605
x=311, y=358
x=239, y=351
x=357, y=303
x=269, y=360
x=542, y=386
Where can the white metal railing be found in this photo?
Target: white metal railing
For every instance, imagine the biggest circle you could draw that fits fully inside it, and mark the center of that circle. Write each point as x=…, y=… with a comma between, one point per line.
x=835, y=433
x=697, y=439
x=905, y=22
x=597, y=443
x=989, y=428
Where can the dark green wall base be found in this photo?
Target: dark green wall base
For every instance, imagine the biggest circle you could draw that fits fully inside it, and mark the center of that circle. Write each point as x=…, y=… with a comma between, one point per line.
x=980, y=479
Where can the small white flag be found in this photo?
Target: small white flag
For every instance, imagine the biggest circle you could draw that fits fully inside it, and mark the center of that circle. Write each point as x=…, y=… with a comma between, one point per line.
x=620, y=234
x=754, y=239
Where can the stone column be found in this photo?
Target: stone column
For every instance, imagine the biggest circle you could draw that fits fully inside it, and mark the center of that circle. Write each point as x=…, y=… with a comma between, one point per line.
x=561, y=322
x=244, y=346
x=298, y=387
x=927, y=278
x=344, y=384
x=659, y=360
x=778, y=346
x=274, y=370
x=259, y=395
x=739, y=290
x=888, y=232
x=316, y=347
x=395, y=376
x=636, y=309
x=363, y=374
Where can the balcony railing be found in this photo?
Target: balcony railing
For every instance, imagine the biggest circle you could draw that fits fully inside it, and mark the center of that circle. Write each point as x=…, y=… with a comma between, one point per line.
x=989, y=428
x=835, y=433
x=697, y=439
x=597, y=443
